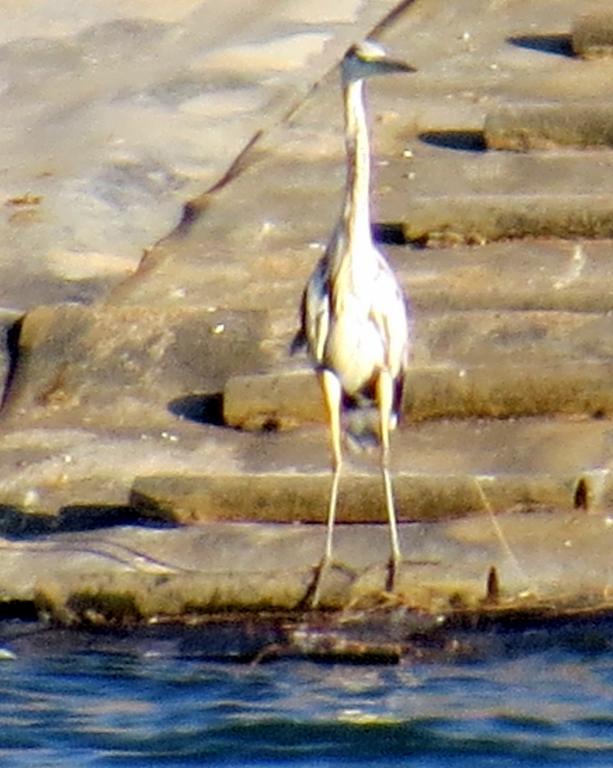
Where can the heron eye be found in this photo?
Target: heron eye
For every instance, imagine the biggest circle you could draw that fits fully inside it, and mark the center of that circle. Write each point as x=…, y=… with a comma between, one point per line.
x=371, y=51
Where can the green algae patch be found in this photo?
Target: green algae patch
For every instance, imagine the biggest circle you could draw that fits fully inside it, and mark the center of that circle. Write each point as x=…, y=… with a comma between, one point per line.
x=88, y=607
x=114, y=609
x=125, y=600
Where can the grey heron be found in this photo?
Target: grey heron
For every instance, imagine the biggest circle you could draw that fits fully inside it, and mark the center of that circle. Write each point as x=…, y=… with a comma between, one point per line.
x=354, y=316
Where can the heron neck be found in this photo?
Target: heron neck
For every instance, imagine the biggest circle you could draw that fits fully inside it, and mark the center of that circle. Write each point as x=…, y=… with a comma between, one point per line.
x=356, y=212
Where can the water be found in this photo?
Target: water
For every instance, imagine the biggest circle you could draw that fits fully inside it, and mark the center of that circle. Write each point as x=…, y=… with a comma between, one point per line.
x=88, y=704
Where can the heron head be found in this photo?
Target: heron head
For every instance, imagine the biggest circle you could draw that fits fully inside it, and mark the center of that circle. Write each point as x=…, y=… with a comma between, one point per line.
x=368, y=58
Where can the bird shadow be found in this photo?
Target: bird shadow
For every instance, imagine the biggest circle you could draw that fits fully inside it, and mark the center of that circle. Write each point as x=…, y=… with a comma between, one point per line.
x=18, y=523
x=200, y=408
x=461, y=141
x=555, y=44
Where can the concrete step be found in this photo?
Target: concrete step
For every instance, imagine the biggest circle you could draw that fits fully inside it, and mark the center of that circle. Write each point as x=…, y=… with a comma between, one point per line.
x=286, y=399
x=293, y=498
x=441, y=470
x=478, y=219
x=465, y=364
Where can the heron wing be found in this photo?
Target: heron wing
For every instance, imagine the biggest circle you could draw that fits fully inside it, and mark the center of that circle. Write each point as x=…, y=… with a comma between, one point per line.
x=389, y=314
x=300, y=338
x=314, y=314
x=317, y=311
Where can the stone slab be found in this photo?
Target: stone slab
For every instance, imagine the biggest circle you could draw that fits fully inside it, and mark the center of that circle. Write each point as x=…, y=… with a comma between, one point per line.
x=301, y=498
x=443, y=163
x=126, y=576
x=273, y=400
x=562, y=447
x=440, y=469
x=513, y=337
x=103, y=365
x=501, y=389
x=56, y=479
x=481, y=218
x=506, y=391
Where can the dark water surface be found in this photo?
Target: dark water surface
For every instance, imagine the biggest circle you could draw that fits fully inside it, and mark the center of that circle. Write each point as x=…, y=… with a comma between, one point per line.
x=86, y=704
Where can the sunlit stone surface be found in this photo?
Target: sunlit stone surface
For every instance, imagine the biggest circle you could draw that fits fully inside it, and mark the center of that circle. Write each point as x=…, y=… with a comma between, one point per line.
x=168, y=178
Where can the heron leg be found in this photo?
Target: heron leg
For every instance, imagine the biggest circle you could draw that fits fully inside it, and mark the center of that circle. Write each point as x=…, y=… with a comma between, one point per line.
x=332, y=391
x=385, y=395
x=331, y=387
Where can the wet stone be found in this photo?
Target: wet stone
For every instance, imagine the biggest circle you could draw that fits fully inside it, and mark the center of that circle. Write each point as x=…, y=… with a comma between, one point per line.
x=131, y=577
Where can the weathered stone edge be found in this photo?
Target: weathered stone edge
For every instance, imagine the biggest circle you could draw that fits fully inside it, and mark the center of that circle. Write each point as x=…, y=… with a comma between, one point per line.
x=285, y=400
x=293, y=498
x=592, y=35
x=477, y=219
x=544, y=126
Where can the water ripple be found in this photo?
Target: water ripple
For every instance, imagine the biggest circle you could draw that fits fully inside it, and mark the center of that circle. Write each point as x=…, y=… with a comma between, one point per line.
x=94, y=708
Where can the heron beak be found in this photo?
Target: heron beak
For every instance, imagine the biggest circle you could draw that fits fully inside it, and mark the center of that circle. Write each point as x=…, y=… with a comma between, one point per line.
x=395, y=65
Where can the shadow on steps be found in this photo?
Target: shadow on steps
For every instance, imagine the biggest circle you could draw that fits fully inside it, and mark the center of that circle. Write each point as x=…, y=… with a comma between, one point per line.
x=17, y=523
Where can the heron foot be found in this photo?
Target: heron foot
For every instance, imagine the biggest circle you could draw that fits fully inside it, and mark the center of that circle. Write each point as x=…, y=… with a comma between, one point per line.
x=335, y=576
x=313, y=593
x=393, y=565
